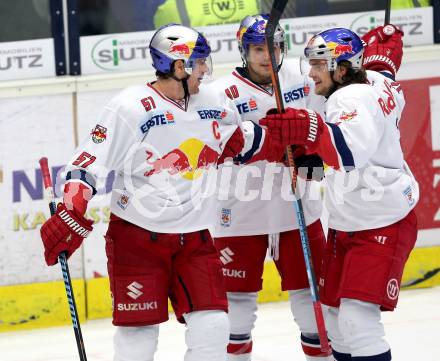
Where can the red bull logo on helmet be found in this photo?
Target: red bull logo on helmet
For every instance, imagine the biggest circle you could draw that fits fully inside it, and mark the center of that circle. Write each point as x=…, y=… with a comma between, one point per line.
x=340, y=49
x=189, y=160
x=156, y=120
x=184, y=49
x=261, y=26
x=240, y=33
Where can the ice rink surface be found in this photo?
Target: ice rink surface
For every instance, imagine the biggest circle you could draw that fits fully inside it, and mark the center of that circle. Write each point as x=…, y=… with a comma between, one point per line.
x=413, y=331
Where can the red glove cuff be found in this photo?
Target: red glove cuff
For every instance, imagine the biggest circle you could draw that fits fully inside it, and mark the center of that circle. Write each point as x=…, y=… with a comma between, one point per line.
x=76, y=196
x=380, y=63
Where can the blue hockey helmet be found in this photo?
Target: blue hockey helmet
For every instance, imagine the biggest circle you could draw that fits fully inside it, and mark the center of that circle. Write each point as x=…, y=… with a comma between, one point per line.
x=252, y=30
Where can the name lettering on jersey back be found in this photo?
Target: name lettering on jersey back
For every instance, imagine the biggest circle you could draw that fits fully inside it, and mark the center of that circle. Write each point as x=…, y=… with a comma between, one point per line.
x=295, y=94
x=156, y=120
x=388, y=103
x=217, y=114
x=249, y=105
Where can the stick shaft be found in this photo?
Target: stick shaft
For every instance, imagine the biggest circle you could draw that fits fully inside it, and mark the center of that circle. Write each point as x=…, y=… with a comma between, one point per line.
x=275, y=16
x=387, y=12
x=62, y=259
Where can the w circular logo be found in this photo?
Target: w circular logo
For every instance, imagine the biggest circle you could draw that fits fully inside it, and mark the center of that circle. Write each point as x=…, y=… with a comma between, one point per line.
x=223, y=9
x=392, y=289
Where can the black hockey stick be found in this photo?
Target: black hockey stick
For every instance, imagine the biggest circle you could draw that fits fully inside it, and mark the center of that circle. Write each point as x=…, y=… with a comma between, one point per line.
x=275, y=16
x=62, y=259
x=387, y=13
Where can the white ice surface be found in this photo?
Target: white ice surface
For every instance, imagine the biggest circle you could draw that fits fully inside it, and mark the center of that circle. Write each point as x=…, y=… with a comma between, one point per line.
x=413, y=331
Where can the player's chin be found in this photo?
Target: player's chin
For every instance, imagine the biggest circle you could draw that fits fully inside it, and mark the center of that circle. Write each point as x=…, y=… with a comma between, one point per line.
x=320, y=89
x=194, y=89
x=265, y=70
x=264, y=75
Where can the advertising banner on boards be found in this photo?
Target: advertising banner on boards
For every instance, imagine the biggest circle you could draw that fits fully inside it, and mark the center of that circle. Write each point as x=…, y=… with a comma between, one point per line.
x=129, y=51
x=27, y=59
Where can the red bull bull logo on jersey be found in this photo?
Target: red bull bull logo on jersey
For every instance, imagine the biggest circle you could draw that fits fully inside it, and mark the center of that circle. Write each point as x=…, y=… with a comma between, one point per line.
x=99, y=134
x=189, y=160
x=346, y=116
x=340, y=49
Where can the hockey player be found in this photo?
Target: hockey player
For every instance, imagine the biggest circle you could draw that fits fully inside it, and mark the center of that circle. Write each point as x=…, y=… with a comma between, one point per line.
x=161, y=138
x=370, y=192
x=243, y=228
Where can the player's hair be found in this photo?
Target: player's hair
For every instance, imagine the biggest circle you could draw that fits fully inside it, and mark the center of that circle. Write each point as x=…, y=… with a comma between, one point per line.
x=161, y=75
x=353, y=76
x=166, y=75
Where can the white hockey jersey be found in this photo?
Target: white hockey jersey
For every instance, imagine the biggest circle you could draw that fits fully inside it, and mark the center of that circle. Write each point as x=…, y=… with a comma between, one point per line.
x=373, y=186
x=162, y=155
x=258, y=198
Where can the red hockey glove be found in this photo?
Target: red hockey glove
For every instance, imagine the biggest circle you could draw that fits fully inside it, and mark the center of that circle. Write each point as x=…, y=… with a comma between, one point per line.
x=64, y=231
x=383, y=49
x=271, y=151
x=233, y=147
x=294, y=127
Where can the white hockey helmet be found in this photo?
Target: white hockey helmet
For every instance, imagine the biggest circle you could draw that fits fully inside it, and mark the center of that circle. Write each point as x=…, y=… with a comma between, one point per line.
x=177, y=42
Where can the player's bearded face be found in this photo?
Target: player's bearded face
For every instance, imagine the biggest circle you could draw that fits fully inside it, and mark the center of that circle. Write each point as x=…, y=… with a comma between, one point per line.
x=258, y=60
x=321, y=76
x=199, y=70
